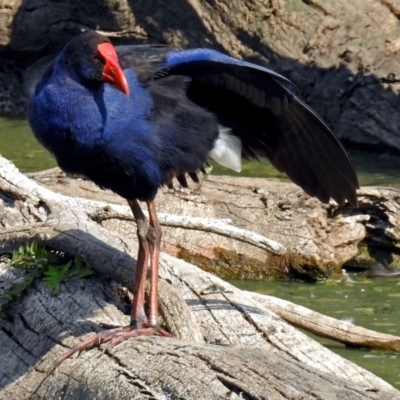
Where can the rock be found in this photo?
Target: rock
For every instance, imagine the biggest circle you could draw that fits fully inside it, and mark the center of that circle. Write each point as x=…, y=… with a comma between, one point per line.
x=343, y=56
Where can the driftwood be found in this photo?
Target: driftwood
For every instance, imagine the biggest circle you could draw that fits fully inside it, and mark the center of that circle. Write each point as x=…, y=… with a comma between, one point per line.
x=229, y=343
x=315, y=239
x=328, y=327
x=295, y=315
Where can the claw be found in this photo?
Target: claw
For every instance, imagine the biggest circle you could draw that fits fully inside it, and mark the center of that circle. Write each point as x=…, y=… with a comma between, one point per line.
x=110, y=338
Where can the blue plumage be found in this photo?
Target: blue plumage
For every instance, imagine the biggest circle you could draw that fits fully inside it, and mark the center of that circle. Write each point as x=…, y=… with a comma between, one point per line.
x=135, y=129
x=83, y=128
x=170, y=121
x=107, y=136
x=205, y=56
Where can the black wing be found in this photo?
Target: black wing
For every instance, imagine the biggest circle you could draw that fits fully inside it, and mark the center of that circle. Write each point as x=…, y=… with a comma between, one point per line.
x=259, y=107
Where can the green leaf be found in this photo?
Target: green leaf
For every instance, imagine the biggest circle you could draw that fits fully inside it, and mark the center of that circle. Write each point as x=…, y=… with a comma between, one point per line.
x=81, y=269
x=55, y=275
x=85, y=271
x=30, y=256
x=38, y=261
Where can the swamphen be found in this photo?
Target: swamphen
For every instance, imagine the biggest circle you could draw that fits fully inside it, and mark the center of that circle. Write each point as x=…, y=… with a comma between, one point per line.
x=134, y=128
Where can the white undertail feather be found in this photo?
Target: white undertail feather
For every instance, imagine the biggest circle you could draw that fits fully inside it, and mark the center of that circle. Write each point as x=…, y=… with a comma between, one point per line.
x=227, y=150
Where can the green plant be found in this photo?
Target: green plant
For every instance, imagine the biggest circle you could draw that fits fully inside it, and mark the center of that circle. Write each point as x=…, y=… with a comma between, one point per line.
x=54, y=275
x=36, y=261
x=29, y=257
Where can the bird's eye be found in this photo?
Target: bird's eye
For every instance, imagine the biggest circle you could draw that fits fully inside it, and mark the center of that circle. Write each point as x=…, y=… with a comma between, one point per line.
x=94, y=57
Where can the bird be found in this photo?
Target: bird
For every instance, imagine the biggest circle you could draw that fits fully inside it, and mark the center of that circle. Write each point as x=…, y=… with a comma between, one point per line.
x=132, y=118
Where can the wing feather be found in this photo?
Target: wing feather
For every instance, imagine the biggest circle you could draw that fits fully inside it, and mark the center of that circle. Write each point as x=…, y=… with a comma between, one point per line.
x=260, y=107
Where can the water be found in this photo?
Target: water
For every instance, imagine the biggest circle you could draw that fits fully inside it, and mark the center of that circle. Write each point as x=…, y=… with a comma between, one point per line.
x=18, y=144
x=371, y=304
x=372, y=169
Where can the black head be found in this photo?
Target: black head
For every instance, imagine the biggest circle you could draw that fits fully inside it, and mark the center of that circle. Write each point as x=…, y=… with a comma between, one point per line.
x=93, y=59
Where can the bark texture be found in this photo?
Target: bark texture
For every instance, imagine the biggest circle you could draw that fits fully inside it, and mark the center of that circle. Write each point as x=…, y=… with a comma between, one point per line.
x=344, y=56
x=229, y=344
x=317, y=239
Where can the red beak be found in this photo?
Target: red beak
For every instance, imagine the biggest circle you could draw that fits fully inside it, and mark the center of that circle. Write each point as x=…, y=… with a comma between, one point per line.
x=112, y=71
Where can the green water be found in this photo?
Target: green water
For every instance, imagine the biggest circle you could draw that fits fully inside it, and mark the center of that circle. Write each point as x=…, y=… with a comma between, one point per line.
x=18, y=144
x=372, y=169
x=373, y=304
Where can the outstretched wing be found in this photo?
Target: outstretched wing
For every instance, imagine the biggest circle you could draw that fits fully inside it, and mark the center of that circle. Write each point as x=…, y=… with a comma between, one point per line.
x=260, y=108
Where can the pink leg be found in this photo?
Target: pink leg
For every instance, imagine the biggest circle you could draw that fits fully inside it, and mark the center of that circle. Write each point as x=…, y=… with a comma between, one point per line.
x=154, y=240
x=149, y=246
x=138, y=317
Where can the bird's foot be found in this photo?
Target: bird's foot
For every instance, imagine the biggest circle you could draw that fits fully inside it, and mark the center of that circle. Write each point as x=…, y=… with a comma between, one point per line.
x=111, y=337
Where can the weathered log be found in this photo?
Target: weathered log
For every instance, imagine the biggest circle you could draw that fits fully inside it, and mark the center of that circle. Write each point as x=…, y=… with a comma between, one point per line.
x=37, y=327
x=295, y=315
x=328, y=327
x=318, y=238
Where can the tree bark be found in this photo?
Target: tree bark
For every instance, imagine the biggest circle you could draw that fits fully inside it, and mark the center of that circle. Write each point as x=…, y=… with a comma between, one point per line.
x=229, y=344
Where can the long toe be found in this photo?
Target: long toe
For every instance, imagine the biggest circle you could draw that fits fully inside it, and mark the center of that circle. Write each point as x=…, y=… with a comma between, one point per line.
x=110, y=338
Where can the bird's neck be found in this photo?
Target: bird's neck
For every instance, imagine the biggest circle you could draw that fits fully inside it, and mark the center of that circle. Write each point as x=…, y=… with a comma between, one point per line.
x=65, y=113
x=74, y=114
